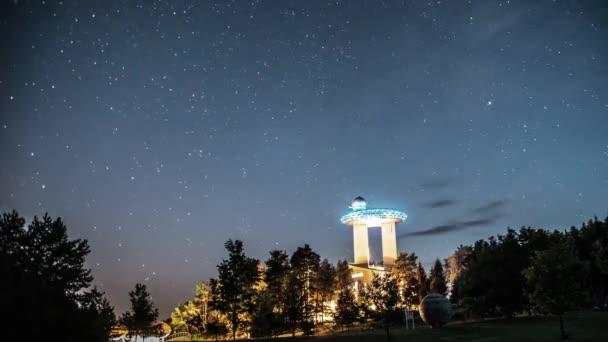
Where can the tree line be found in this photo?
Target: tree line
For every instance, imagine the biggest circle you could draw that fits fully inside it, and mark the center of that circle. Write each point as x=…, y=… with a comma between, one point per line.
x=532, y=271
x=294, y=293
x=46, y=291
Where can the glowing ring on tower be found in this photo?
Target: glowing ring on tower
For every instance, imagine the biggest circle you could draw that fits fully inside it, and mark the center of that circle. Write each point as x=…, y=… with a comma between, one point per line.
x=373, y=217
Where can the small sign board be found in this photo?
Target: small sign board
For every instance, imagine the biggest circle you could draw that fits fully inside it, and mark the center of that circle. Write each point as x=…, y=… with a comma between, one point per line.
x=409, y=315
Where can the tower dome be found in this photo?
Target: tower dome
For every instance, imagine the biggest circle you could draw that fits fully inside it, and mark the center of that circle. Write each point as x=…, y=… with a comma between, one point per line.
x=359, y=203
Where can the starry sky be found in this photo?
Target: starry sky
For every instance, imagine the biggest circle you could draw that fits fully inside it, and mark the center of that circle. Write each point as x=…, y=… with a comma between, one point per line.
x=159, y=129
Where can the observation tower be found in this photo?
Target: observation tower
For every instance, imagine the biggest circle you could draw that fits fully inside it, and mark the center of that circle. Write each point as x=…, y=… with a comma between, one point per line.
x=361, y=219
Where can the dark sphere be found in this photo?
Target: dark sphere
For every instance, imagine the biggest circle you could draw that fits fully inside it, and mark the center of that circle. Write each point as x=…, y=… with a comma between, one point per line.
x=435, y=310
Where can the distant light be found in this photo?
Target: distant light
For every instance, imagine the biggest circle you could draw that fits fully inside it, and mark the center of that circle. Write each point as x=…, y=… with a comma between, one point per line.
x=43, y=186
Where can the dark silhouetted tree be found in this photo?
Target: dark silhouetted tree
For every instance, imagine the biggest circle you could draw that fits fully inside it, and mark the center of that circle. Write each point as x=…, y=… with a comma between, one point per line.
x=234, y=290
x=344, y=275
x=140, y=318
x=556, y=276
x=43, y=249
x=277, y=268
x=347, y=310
x=437, y=279
x=305, y=265
x=98, y=310
x=383, y=293
x=326, y=284
x=264, y=319
x=295, y=302
x=422, y=281
x=215, y=327
x=43, y=284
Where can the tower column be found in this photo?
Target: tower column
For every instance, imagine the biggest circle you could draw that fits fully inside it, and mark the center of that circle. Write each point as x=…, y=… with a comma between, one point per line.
x=389, y=243
x=361, y=244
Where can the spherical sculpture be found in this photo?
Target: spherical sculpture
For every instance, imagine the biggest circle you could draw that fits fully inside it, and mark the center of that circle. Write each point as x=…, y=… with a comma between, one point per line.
x=435, y=310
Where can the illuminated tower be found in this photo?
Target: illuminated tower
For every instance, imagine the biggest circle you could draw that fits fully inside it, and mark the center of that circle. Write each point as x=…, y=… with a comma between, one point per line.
x=361, y=219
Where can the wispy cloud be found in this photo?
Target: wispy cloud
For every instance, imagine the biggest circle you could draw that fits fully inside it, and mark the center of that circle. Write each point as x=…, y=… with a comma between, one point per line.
x=440, y=203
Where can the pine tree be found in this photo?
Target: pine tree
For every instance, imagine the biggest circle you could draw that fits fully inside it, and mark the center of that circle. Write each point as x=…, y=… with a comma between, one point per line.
x=326, y=283
x=404, y=273
x=347, y=310
x=233, y=291
x=344, y=276
x=305, y=265
x=422, y=282
x=295, y=301
x=141, y=316
x=277, y=268
x=437, y=279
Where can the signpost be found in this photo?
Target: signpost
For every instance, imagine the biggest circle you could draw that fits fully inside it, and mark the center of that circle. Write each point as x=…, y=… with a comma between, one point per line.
x=409, y=315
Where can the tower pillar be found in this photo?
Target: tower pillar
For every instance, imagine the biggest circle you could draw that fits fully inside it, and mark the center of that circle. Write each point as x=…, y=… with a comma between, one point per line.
x=361, y=244
x=389, y=243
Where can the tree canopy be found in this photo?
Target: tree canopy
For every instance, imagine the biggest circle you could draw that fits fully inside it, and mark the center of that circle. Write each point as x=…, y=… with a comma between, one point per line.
x=233, y=292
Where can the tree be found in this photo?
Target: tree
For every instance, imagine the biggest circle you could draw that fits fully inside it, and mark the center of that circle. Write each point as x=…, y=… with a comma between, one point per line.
x=383, y=293
x=326, y=283
x=305, y=265
x=456, y=262
x=44, y=249
x=277, y=268
x=422, y=281
x=264, y=321
x=555, y=277
x=43, y=284
x=99, y=312
x=404, y=273
x=202, y=297
x=437, y=279
x=187, y=317
x=295, y=302
x=233, y=291
x=347, y=310
x=141, y=316
x=215, y=327
x=344, y=275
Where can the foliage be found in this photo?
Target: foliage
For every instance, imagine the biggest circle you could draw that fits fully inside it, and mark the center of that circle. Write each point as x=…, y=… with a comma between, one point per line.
x=215, y=327
x=422, y=282
x=305, y=266
x=264, y=322
x=556, y=276
x=383, y=293
x=233, y=291
x=140, y=318
x=43, y=284
x=404, y=273
x=98, y=310
x=347, y=310
x=43, y=249
x=437, y=279
x=277, y=268
x=326, y=284
x=344, y=276
x=202, y=297
x=295, y=301
x=187, y=317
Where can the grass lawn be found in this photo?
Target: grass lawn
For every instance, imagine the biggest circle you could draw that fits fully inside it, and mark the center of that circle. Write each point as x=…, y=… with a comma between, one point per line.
x=580, y=326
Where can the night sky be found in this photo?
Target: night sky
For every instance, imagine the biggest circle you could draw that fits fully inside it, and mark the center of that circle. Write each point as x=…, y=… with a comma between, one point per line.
x=159, y=129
